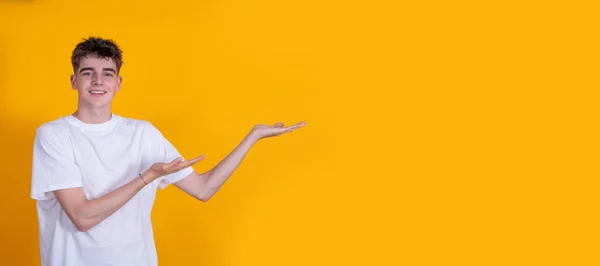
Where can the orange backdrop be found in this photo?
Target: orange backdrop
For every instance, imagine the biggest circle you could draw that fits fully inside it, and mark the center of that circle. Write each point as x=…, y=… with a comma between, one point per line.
x=439, y=132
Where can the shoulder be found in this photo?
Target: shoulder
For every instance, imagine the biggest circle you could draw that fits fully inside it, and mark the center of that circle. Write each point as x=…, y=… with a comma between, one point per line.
x=144, y=126
x=135, y=122
x=55, y=129
x=53, y=135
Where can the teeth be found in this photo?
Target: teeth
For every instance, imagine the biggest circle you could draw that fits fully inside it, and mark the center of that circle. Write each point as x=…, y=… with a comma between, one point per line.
x=97, y=92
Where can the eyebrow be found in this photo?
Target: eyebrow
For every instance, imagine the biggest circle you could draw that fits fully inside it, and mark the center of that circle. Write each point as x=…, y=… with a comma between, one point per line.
x=103, y=69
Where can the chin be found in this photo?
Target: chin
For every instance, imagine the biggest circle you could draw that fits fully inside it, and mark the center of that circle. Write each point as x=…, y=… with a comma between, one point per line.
x=97, y=104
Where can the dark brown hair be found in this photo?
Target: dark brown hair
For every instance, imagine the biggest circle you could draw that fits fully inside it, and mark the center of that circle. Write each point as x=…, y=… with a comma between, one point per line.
x=99, y=47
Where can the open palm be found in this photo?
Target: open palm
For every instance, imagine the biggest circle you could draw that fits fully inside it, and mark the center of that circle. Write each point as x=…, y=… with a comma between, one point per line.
x=264, y=131
x=162, y=169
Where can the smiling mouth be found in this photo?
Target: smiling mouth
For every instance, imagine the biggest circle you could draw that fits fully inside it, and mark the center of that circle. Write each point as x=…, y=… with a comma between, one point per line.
x=97, y=92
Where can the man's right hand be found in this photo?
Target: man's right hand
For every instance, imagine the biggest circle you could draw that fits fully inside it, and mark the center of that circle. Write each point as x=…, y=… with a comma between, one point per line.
x=161, y=169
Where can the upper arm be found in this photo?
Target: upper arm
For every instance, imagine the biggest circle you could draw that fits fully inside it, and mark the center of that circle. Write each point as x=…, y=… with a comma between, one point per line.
x=54, y=171
x=53, y=166
x=193, y=185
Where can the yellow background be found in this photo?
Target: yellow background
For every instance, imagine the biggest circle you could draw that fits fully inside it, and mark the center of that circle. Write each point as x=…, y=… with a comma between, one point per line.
x=439, y=132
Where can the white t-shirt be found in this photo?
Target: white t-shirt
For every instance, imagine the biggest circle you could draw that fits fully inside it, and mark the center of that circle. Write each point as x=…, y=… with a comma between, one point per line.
x=100, y=158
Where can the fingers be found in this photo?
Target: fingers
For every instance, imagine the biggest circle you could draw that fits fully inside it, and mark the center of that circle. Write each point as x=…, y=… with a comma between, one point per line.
x=278, y=129
x=194, y=160
x=295, y=126
x=190, y=162
x=166, y=167
x=173, y=163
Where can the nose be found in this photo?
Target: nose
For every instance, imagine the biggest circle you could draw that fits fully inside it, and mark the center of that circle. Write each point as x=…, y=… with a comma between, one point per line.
x=96, y=80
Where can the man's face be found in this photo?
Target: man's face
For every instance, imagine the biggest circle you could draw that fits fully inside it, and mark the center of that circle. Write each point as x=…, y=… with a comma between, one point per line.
x=96, y=81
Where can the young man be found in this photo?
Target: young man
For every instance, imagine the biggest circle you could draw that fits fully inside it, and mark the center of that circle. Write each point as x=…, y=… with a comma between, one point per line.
x=95, y=173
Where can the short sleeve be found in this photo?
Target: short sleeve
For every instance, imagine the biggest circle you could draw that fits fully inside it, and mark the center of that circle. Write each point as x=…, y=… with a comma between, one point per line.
x=53, y=165
x=167, y=153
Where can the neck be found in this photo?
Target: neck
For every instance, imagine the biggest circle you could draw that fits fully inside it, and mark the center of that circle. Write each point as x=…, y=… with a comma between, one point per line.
x=93, y=116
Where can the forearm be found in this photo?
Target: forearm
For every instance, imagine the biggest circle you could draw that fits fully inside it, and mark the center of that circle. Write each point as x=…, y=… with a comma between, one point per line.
x=92, y=212
x=217, y=176
x=204, y=186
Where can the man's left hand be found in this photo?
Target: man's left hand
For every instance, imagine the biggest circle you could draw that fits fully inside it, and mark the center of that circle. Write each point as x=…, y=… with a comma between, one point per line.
x=261, y=131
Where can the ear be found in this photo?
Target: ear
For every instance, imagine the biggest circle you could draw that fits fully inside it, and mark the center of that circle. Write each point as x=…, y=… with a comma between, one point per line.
x=73, y=82
x=119, y=83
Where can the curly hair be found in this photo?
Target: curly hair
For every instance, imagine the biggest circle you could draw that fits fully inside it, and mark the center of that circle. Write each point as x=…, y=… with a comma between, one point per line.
x=99, y=47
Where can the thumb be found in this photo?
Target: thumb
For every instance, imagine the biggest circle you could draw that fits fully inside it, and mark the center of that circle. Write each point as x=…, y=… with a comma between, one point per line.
x=279, y=124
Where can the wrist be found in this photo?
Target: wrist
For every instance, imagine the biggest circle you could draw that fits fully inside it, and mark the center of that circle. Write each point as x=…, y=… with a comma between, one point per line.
x=148, y=177
x=252, y=137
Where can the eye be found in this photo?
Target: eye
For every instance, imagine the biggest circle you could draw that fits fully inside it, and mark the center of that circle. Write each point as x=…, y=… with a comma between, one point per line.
x=108, y=74
x=86, y=73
